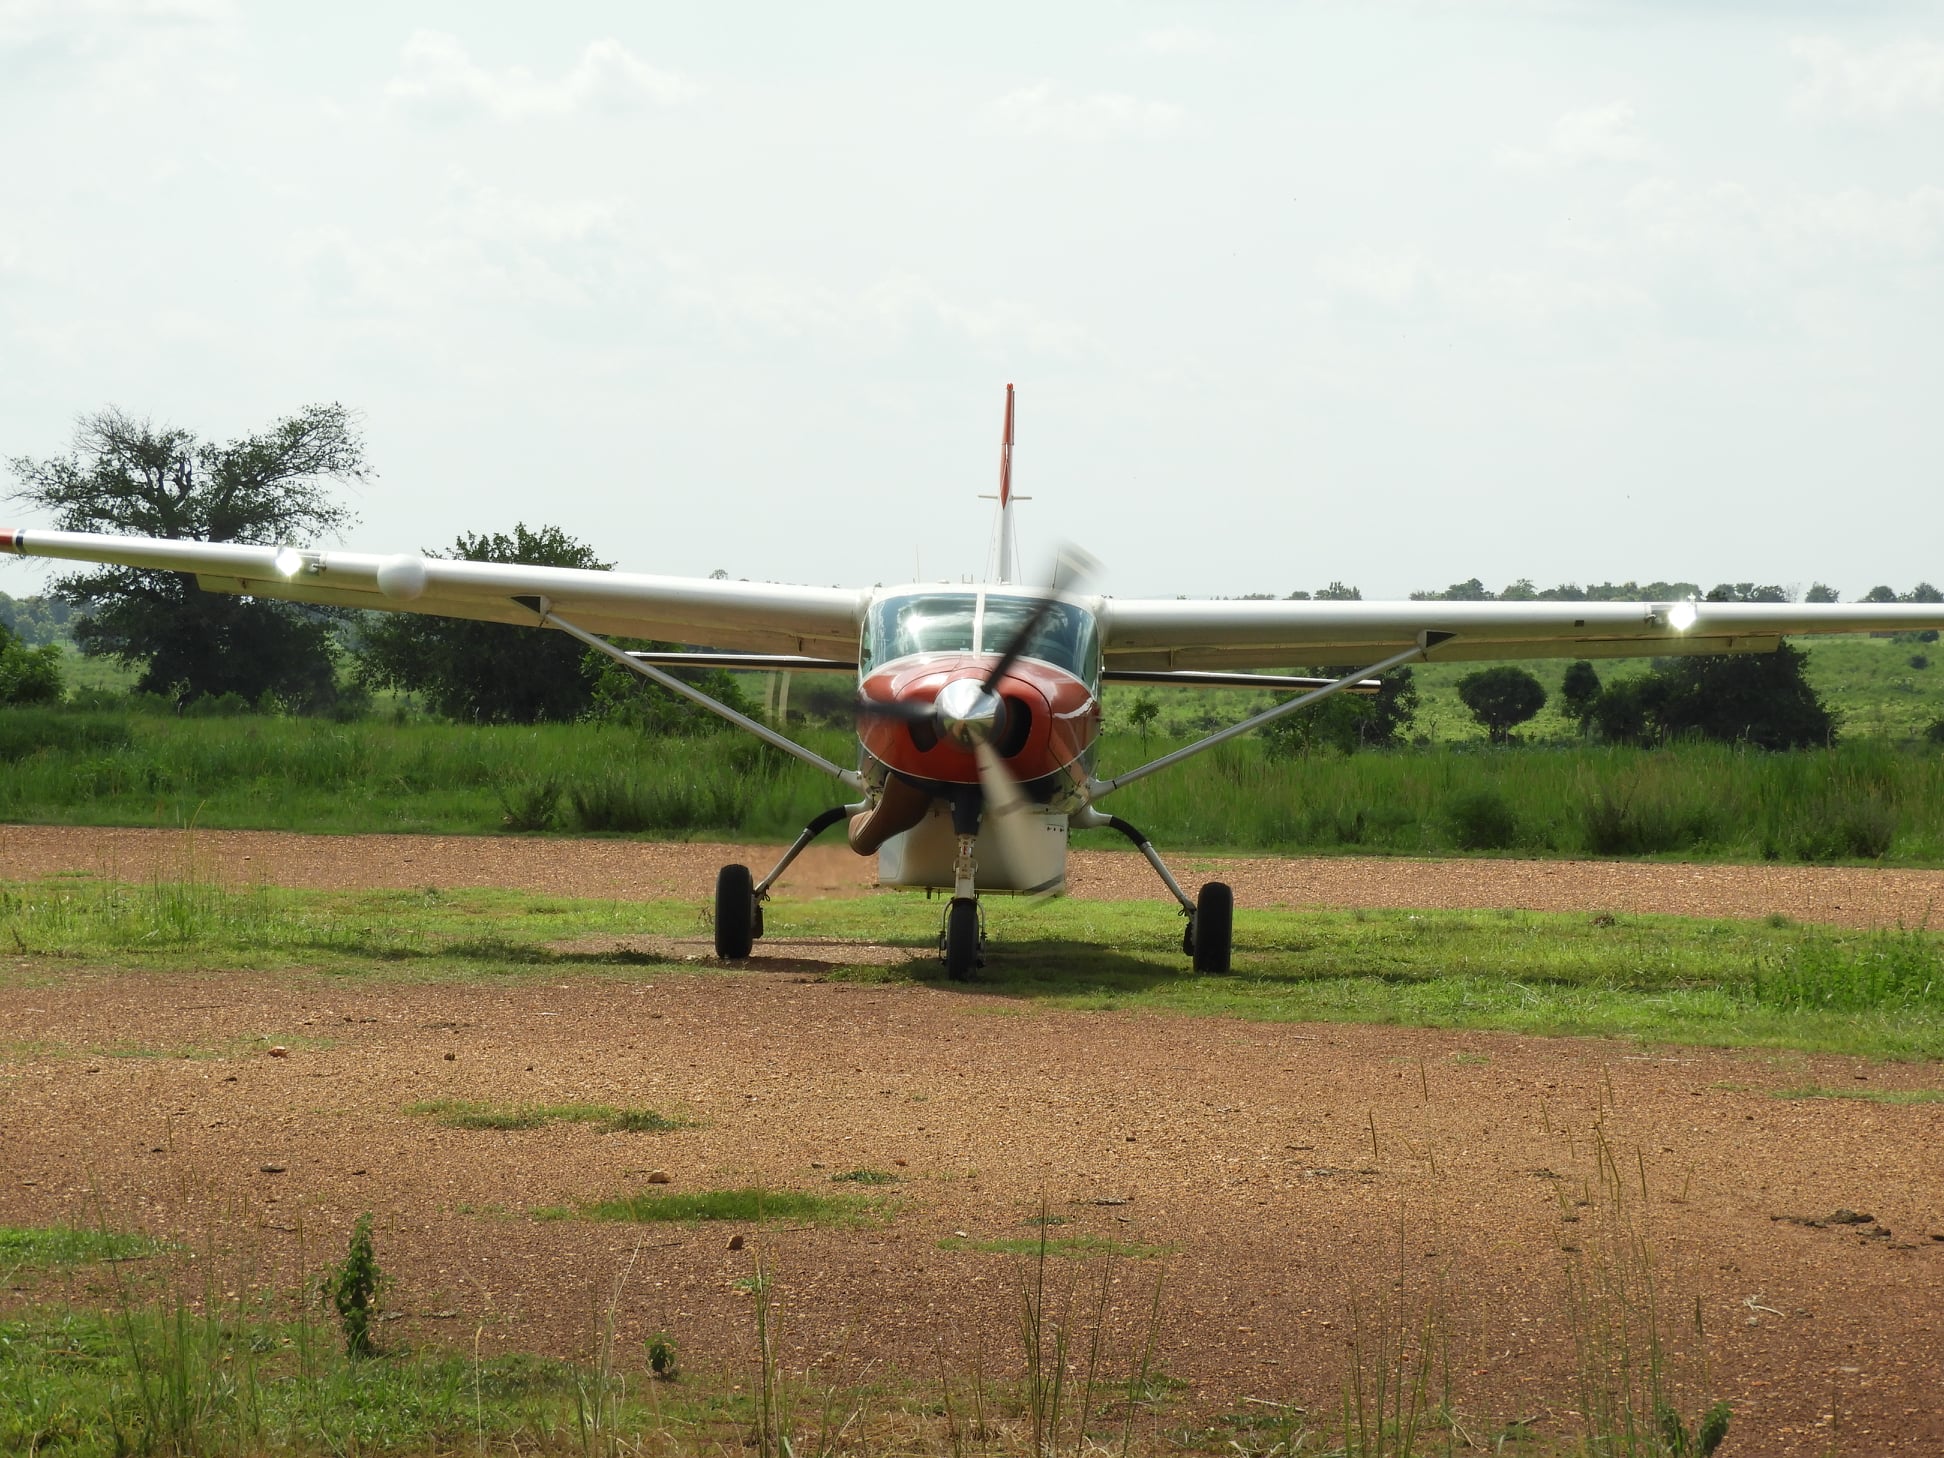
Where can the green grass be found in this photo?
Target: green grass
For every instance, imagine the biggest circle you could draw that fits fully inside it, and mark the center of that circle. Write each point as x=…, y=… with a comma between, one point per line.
x=86, y=1384
x=463, y=1114
x=1868, y=1095
x=865, y=1177
x=1065, y=1247
x=751, y=1204
x=1870, y=799
x=64, y=1245
x=1726, y=983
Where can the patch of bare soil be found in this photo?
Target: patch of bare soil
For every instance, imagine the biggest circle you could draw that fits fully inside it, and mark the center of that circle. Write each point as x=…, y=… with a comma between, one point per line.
x=1283, y=1170
x=1837, y=895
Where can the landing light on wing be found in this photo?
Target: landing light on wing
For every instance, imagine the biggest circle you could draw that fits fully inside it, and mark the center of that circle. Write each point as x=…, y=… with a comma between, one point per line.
x=1681, y=616
x=289, y=561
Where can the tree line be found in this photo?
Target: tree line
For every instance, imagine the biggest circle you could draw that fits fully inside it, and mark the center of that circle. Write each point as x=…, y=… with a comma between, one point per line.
x=126, y=475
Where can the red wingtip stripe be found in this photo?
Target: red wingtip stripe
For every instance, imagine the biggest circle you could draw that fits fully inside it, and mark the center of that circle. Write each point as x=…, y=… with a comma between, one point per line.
x=10, y=541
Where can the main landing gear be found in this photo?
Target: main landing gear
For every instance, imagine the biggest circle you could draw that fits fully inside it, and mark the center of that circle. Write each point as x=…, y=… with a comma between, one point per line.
x=739, y=896
x=961, y=940
x=1209, y=936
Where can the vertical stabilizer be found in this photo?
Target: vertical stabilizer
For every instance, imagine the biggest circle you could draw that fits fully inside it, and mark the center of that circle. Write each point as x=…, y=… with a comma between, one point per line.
x=1005, y=494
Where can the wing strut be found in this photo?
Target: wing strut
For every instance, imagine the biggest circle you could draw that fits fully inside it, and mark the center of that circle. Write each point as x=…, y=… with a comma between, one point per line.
x=1426, y=642
x=850, y=779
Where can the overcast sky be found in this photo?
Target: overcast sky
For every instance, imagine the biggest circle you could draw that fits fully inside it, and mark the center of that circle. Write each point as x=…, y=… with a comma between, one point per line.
x=1388, y=292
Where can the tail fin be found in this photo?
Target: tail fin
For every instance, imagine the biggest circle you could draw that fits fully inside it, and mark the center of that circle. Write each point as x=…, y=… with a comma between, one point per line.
x=1005, y=494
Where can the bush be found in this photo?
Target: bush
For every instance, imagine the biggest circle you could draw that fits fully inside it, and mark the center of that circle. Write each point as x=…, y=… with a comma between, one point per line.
x=1481, y=820
x=1501, y=698
x=1617, y=825
x=1860, y=828
x=28, y=675
x=1935, y=734
x=620, y=802
x=530, y=804
x=25, y=731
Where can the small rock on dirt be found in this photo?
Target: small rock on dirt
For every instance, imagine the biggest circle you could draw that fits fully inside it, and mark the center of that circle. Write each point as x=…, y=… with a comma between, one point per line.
x=277, y=1050
x=735, y=1242
x=271, y=1168
x=657, y=1176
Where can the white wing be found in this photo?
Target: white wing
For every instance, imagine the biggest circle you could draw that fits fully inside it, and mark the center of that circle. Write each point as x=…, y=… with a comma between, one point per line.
x=756, y=616
x=1164, y=633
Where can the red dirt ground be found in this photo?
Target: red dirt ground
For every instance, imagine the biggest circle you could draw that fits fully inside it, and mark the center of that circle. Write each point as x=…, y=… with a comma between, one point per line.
x=1285, y=1169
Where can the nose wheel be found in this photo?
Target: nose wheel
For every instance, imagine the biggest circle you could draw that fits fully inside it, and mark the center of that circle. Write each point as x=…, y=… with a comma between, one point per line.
x=961, y=941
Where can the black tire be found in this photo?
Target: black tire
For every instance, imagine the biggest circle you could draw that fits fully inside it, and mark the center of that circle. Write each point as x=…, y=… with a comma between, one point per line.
x=735, y=912
x=1214, y=927
x=961, y=939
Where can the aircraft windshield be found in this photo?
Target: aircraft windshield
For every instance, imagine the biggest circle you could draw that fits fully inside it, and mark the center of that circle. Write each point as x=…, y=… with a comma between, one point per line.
x=944, y=622
x=931, y=622
x=1065, y=636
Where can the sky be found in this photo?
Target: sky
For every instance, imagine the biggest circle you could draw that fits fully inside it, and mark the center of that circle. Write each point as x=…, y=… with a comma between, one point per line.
x=1390, y=293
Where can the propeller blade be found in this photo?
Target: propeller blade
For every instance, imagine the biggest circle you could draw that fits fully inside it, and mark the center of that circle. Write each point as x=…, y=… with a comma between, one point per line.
x=1077, y=566
x=1009, y=817
x=902, y=711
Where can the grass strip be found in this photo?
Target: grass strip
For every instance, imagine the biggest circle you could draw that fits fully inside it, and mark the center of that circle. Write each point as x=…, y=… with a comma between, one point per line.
x=464, y=1114
x=1773, y=983
x=1867, y=1095
x=751, y=1204
x=64, y=1245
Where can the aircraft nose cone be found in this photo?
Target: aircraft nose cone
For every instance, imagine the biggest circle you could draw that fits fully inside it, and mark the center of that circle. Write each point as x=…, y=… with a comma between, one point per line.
x=968, y=715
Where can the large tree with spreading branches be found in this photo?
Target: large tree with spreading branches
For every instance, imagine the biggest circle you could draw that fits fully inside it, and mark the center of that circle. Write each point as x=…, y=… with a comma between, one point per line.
x=129, y=476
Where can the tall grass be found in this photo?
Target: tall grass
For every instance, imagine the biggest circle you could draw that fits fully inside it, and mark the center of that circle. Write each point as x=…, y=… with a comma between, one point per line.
x=1862, y=801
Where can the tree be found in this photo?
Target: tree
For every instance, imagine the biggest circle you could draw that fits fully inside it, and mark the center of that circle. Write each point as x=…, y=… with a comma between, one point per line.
x=1759, y=699
x=28, y=675
x=1501, y=698
x=487, y=672
x=1346, y=722
x=1579, y=691
x=1762, y=699
x=130, y=476
x=1142, y=714
x=1821, y=592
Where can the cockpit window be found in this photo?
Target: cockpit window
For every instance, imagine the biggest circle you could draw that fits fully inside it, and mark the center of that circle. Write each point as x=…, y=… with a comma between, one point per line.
x=945, y=622
x=929, y=622
x=1065, y=636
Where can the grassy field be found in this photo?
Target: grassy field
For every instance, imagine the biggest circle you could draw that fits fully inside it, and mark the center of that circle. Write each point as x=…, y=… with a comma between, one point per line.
x=1875, y=994
x=1862, y=801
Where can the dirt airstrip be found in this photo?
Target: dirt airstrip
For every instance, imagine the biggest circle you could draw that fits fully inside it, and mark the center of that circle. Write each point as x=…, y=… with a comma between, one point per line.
x=1275, y=1173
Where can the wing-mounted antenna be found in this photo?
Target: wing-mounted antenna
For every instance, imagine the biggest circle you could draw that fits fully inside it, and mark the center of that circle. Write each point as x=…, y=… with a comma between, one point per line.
x=1006, y=550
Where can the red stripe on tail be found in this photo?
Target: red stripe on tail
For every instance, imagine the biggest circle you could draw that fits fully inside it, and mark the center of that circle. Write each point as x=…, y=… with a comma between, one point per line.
x=1005, y=454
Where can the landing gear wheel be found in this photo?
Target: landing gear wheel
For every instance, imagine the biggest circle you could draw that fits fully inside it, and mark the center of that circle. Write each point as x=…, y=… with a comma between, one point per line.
x=959, y=943
x=738, y=919
x=1212, y=930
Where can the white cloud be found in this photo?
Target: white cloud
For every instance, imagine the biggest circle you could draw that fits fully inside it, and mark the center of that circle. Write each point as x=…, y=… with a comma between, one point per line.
x=1743, y=228
x=1182, y=40
x=439, y=76
x=1595, y=134
x=883, y=316
x=1408, y=283
x=1905, y=75
x=1042, y=111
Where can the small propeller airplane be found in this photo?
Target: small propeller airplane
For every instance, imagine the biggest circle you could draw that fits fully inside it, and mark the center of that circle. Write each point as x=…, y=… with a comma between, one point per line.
x=978, y=706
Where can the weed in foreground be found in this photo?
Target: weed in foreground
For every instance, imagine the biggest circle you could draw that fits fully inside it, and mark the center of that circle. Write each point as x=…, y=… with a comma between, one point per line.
x=352, y=1289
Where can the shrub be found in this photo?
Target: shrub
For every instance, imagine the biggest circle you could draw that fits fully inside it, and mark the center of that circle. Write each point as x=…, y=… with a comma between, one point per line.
x=1859, y=828
x=1617, y=825
x=1481, y=820
x=24, y=731
x=620, y=802
x=530, y=804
